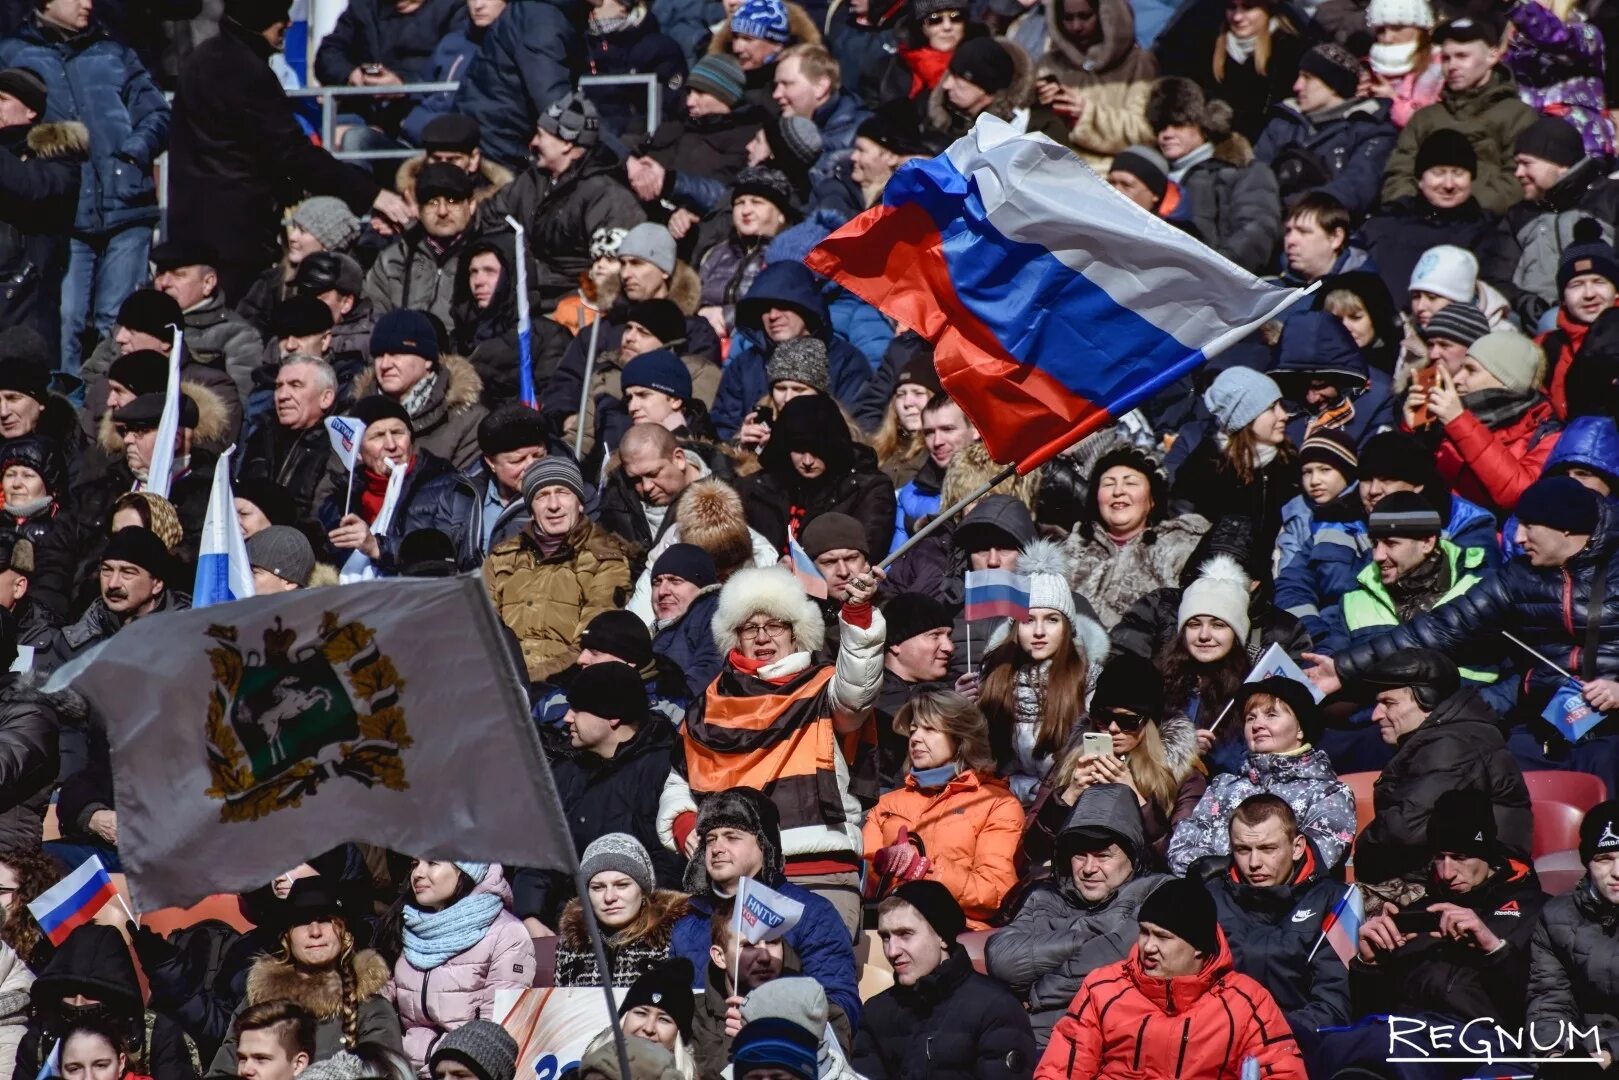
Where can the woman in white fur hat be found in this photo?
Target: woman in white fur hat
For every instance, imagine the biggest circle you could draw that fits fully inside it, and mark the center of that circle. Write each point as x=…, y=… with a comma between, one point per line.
x=1038, y=672
x=1204, y=665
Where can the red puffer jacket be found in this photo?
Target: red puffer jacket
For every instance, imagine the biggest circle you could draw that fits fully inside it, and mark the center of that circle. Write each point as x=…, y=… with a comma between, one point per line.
x=1125, y=1024
x=1493, y=467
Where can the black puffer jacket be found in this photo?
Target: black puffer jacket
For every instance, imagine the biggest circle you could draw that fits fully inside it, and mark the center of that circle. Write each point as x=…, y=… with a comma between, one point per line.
x=1433, y=974
x=297, y=460
x=601, y=796
x=1546, y=607
x=1271, y=932
x=1458, y=748
x=39, y=190
x=1236, y=204
x=1574, y=967
x=954, y=1023
x=1206, y=484
x=29, y=720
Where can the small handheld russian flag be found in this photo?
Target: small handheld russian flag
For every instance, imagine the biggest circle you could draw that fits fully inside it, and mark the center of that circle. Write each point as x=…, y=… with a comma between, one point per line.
x=73, y=901
x=1341, y=926
x=345, y=433
x=223, y=572
x=996, y=594
x=805, y=570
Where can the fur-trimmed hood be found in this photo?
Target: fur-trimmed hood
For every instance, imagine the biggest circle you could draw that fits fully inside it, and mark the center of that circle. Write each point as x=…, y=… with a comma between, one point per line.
x=771, y=591
x=457, y=391
x=67, y=138
x=1020, y=95
x=272, y=979
x=801, y=29
x=1179, y=738
x=668, y=906
x=213, y=418
x=686, y=288
x=494, y=176
x=1114, y=58
x=710, y=515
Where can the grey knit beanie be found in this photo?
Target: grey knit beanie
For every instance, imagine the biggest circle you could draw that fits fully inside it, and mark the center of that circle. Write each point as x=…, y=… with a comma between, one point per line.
x=622, y=853
x=801, y=360
x=482, y=1046
x=551, y=470
x=801, y=138
x=1238, y=395
x=572, y=119
x=328, y=220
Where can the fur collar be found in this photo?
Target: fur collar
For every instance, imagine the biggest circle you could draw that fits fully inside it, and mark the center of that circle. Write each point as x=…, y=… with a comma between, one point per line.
x=462, y=385
x=212, y=419
x=1179, y=737
x=1020, y=95
x=494, y=177
x=667, y=905
x=686, y=288
x=66, y=139
x=272, y=979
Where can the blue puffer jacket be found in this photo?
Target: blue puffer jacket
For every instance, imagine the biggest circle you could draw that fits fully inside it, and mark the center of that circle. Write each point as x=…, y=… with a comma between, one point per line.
x=451, y=56
x=785, y=285
x=1315, y=345
x=689, y=641
x=93, y=79
x=820, y=940
x=1351, y=141
x=529, y=58
x=1339, y=548
x=838, y=120
x=1589, y=442
x=1546, y=607
x=917, y=500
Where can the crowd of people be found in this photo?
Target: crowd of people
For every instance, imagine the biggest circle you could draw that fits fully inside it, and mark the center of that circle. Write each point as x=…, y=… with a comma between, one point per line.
x=1089, y=840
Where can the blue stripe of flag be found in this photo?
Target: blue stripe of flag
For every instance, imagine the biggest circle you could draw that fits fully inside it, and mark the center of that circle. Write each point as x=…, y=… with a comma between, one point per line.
x=989, y=594
x=213, y=580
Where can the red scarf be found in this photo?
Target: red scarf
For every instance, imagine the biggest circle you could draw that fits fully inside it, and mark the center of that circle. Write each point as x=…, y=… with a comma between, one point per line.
x=751, y=668
x=1574, y=332
x=374, y=488
x=927, y=65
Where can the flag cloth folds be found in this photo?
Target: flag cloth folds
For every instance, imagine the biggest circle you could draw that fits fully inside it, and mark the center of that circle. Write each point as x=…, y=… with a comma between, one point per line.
x=73, y=901
x=763, y=914
x=996, y=594
x=1054, y=304
x=160, y=471
x=223, y=572
x=525, y=328
x=1341, y=926
x=387, y=712
x=1275, y=663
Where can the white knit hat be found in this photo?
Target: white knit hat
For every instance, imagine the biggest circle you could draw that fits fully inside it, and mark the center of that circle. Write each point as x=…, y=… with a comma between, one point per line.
x=1047, y=568
x=1448, y=271
x=1399, y=13
x=1221, y=590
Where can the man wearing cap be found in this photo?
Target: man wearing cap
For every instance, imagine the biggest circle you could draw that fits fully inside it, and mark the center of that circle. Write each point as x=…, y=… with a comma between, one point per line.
x=940, y=1018
x=884, y=141
x=235, y=146
x=337, y=281
x=202, y=421
x=1327, y=137
x=558, y=572
x=1450, y=332
x=291, y=446
x=1562, y=186
x=1085, y=918
x=609, y=782
x=656, y=388
x=1488, y=904
x=759, y=31
x=282, y=560
x=418, y=269
x=1479, y=100
x=1565, y=531
x=1175, y=1005
x=574, y=187
x=477, y=1050
x=783, y=303
x=487, y=504
x=917, y=652
x=214, y=334
x=1588, y=285
x=685, y=592
x=1444, y=209
x=983, y=76
x=708, y=138
x=838, y=546
x=450, y=138
x=439, y=391
x=1573, y=956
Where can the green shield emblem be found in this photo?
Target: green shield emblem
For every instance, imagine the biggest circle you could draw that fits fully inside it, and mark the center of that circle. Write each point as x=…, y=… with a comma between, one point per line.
x=284, y=712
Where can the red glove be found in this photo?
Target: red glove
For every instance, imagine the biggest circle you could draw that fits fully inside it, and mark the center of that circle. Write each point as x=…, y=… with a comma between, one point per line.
x=896, y=860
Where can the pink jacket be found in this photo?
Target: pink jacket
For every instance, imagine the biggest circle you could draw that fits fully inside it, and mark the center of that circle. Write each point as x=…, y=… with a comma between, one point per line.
x=463, y=988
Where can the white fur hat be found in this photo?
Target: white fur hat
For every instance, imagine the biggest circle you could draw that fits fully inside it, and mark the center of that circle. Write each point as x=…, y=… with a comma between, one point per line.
x=1221, y=590
x=772, y=591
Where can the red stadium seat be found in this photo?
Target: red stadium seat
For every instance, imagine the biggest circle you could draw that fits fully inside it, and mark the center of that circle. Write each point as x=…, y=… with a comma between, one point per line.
x=221, y=906
x=974, y=941
x=1361, y=784
x=1557, y=826
x=1577, y=789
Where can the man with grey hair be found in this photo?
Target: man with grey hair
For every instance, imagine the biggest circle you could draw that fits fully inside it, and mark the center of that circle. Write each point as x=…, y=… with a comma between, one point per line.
x=290, y=446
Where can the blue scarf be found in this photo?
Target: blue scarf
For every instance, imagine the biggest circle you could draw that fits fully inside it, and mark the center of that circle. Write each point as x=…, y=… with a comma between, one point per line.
x=936, y=777
x=432, y=937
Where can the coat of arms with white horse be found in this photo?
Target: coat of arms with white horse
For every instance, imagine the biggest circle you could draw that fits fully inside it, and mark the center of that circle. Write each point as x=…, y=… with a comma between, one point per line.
x=284, y=721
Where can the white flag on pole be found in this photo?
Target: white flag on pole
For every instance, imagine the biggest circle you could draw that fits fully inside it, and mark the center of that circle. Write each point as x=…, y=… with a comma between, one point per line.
x=223, y=572
x=763, y=914
x=345, y=433
x=357, y=567
x=160, y=471
x=1275, y=663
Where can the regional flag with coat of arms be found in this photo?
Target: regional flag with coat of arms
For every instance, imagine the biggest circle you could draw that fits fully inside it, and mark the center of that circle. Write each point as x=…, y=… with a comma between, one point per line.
x=249, y=736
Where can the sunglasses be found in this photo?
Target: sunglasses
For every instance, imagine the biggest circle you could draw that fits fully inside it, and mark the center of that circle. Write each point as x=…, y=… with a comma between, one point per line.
x=939, y=18
x=1124, y=721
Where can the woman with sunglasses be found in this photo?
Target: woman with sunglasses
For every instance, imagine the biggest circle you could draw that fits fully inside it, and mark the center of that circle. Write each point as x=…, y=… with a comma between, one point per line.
x=1096, y=76
x=936, y=28
x=1279, y=718
x=1154, y=754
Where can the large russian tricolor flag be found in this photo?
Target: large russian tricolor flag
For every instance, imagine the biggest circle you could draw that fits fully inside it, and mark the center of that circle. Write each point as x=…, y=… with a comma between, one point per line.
x=73, y=901
x=1054, y=304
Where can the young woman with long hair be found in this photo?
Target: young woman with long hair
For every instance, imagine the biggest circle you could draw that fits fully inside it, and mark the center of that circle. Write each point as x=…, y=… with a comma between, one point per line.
x=636, y=917
x=1204, y=664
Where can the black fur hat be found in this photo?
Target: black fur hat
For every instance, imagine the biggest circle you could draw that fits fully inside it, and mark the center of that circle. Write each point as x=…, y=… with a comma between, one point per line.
x=748, y=810
x=1176, y=100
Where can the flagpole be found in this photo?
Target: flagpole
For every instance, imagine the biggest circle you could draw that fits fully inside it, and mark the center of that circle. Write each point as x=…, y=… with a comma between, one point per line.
x=584, y=392
x=348, y=493
x=125, y=906
x=736, y=935
x=946, y=514
x=1567, y=674
x=525, y=358
x=600, y=948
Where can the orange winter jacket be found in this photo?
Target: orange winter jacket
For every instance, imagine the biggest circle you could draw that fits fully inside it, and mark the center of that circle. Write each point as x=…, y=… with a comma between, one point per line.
x=1126, y=1024
x=970, y=829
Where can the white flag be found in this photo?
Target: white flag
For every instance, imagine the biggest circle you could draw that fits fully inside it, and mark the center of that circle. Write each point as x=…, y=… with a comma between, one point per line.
x=160, y=470
x=763, y=914
x=1275, y=663
x=345, y=433
x=287, y=724
x=357, y=567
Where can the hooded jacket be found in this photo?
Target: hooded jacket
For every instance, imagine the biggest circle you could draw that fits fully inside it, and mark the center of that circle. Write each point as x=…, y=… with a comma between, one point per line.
x=1350, y=142
x=953, y=1024
x=689, y=643
x=1323, y=805
x=1125, y=1023
x=1314, y=346
x=487, y=337
x=463, y=988
x=1058, y=938
x=1457, y=748
x=744, y=382
x=447, y=425
x=417, y=272
x=1491, y=116
x=1589, y=442
x=1574, y=967
x=714, y=147
x=531, y=56
x=1271, y=931
x=1114, y=76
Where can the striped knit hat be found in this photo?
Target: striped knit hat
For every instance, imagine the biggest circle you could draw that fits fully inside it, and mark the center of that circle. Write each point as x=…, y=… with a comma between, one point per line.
x=1331, y=447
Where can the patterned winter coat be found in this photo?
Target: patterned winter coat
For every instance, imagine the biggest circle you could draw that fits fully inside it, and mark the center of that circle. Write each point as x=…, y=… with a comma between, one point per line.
x=547, y=600
x=1559, y=68
x=1323, y=804
x=463, y=987
x=1112, y=577
x=631, y=952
